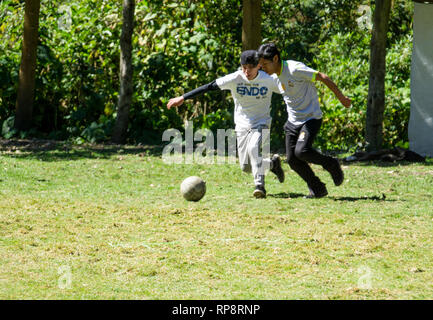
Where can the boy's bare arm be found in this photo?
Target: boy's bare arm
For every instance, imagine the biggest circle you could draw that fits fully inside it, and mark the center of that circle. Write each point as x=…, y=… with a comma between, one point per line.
x=345, y=101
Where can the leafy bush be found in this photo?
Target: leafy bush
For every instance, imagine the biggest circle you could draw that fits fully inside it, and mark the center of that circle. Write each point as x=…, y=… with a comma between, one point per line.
x=180, y=45
x=345, y=58
x=8, y=130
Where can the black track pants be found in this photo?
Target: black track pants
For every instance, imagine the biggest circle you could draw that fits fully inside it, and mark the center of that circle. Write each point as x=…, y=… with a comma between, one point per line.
x=299, y=150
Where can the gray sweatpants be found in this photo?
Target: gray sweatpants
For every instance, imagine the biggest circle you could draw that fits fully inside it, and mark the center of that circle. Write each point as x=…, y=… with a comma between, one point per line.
x=253, y=152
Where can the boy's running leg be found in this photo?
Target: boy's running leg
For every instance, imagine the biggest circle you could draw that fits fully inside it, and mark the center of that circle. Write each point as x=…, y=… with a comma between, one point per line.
x=245, y=148
x=317, y=188
x=256, y=137
x=305, y=151
x=242, y=140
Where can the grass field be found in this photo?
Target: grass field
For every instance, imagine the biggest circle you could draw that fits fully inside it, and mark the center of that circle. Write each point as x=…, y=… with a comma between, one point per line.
x=109, y=223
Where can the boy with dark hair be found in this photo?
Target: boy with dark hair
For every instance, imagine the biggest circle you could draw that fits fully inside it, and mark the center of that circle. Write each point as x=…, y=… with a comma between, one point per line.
x=296, y=82
x=251, y=90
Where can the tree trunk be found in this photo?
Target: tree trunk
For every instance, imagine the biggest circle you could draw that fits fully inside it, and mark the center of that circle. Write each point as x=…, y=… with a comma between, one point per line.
x=251, y=25
x=126, y=72
x=26, y=85
x=376, y=89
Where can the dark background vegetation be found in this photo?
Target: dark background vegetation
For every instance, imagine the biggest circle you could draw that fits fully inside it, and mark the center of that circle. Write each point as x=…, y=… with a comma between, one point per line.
x=179, y=45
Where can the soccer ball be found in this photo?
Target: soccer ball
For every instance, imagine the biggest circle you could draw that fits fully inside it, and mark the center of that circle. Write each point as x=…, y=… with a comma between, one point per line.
x=193, y=188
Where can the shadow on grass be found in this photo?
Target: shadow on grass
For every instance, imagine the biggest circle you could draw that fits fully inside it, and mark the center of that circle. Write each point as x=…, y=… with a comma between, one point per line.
x=349, y=199
x=286, y=195
x=49, y=150
x=385, y=164
x=368, y=198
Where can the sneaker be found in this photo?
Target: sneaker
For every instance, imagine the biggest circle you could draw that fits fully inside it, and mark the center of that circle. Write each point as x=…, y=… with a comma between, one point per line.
x=317, y=192
x=336, y=173
x=259, y=192
x=276, y=167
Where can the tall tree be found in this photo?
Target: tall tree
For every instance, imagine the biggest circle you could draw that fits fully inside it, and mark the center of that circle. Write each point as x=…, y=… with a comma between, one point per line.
x=26, y=85
x=376, y=89
x=251, y=24
x=126, y=72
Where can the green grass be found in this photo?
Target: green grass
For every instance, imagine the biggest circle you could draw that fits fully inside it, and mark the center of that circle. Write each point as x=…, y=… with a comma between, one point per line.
x=108, y=223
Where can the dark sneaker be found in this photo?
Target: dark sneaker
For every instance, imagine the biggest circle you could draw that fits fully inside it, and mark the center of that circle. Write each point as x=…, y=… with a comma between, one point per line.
x=276, y=167
x=259, y=192
x=317, y=192
x=336, y=173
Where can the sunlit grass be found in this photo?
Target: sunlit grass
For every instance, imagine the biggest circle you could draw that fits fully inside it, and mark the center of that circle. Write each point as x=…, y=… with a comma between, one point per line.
x=110, y=223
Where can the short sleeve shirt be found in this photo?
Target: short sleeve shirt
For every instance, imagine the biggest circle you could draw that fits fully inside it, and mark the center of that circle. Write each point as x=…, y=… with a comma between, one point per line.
x=252, y=98
x=296, y=83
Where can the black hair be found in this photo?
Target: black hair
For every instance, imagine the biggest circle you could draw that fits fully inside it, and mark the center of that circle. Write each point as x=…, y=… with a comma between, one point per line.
x=250, y=57
x=268, y=51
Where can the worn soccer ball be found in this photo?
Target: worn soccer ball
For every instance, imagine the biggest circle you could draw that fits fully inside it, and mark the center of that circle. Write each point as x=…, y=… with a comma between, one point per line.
x=193, y=188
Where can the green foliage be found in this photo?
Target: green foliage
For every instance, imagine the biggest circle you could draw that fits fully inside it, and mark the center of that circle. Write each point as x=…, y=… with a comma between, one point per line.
x=97, y=131
x=297, y=26
x=326, y=36
x=397, y=91
x=11, y=25
x=76, y=70
x=180, y=45
x=344, y=128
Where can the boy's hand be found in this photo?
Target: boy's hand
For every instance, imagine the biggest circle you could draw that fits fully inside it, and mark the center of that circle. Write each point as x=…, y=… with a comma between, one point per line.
x=175, y=102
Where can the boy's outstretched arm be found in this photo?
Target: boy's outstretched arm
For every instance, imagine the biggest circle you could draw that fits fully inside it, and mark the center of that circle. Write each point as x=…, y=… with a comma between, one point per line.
x=345, y=101
x=175, y=102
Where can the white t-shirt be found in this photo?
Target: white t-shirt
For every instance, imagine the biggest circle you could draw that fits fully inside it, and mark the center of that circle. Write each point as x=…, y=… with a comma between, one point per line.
x=252, y=98
x=296, y=82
